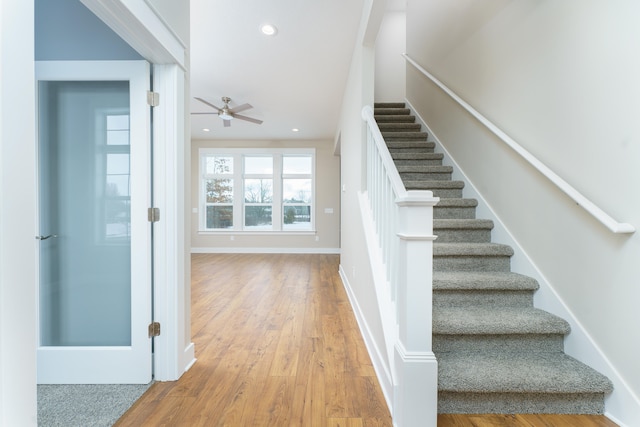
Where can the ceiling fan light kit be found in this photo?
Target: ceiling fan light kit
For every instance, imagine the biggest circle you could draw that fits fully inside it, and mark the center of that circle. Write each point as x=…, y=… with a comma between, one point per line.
x=227, y=114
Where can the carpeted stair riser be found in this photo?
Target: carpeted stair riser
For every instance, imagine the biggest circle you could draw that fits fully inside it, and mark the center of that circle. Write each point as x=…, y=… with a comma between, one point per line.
x=389, y=105
x=410, y=147
x=461, y=230
x=497, y=343
x=391, y=112
x=496, y=353
x=425, y=173
x=442, y=189
x=455, y=208
x=395, y=119
x=489, y=298
x=496, y=329
x=399, y=127
x=520, y=403
x=489, y=289
x=404, y=136
x=417, y=159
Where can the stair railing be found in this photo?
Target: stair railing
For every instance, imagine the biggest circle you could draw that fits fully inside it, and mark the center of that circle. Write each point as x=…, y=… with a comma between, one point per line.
x=579, y=198
x=403, y=222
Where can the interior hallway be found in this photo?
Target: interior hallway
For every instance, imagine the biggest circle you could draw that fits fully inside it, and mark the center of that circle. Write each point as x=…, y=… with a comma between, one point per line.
x=277, y=345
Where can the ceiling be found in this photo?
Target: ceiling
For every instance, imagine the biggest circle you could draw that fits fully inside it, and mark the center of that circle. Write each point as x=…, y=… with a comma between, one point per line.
x=295, y=79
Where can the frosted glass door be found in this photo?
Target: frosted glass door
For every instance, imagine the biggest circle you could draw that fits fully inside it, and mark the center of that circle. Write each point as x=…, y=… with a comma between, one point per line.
x=94, y=258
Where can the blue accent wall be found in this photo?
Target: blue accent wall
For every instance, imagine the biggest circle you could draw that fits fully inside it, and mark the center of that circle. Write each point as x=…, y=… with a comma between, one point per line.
x=67, y=30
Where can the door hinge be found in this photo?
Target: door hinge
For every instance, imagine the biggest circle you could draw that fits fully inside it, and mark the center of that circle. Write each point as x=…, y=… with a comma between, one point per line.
x=153, y=98
x=154, y=214
x=154, y=329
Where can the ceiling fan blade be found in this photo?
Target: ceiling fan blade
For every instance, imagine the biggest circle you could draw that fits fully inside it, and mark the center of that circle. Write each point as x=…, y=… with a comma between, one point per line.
x=208, y=103
x=249, y=119
x=204, y=113
x=240, y=108
x=227, y=123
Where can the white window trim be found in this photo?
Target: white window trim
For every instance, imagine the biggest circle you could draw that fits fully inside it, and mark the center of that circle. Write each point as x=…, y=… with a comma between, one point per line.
x=238, y=182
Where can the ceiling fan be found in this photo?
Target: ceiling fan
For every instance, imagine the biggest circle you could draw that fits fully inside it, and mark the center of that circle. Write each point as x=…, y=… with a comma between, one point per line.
x=227, y=114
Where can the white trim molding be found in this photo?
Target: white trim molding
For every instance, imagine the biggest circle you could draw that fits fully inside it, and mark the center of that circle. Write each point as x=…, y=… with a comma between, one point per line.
x=140, y=26
x=230, y=250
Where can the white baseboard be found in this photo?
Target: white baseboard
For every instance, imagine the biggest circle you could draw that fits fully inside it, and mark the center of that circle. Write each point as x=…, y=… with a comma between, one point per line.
x=622, y=406
x=228, y=250
x=375, y=353
x=189, y=357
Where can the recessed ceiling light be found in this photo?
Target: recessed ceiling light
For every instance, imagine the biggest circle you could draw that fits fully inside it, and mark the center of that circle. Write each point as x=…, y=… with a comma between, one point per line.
x=268, y=29
x=295, y=130
x=206, y=130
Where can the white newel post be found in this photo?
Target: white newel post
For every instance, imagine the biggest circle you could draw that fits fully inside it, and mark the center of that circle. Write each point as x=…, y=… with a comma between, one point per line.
x=416, y=395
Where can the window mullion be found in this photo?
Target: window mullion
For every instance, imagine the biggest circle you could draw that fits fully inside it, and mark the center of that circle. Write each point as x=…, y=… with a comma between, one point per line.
x=238, y=192
x=277, y=192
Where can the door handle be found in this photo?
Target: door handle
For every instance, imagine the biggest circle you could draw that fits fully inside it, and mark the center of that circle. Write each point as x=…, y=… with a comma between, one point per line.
x=46, y=237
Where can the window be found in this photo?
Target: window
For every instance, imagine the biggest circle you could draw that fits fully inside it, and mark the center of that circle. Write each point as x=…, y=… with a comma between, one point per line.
x=258, y=190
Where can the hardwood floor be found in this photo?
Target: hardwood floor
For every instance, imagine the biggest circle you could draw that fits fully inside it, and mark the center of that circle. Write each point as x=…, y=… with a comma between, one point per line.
x=278, y=345
x=523, y=420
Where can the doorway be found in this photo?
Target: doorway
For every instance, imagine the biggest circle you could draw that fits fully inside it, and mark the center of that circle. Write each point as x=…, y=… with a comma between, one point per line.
x=94, y=247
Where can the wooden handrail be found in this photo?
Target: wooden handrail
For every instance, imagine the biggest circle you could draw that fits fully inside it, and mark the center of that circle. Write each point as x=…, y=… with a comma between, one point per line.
x=588, y=205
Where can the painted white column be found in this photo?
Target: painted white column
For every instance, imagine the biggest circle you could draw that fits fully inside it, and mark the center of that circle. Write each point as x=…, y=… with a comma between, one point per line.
x=18, y=245
x=416, y=394
x=174, y=352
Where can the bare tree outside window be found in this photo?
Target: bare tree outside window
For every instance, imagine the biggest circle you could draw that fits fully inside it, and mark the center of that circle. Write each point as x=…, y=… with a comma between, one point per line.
x=258, y=197
x=219, y=193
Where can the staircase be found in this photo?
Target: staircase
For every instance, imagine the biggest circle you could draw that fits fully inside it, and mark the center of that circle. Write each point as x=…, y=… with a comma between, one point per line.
x=496, y=352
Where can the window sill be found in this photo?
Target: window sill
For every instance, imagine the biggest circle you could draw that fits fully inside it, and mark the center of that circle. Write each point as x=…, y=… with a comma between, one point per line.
x=257, y=233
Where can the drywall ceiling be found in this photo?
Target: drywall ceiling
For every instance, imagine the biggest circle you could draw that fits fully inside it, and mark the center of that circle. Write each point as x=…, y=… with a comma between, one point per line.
x=294, y=79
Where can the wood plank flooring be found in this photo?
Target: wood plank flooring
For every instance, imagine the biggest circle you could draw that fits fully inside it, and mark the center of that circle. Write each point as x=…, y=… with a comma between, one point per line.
x=277, y=345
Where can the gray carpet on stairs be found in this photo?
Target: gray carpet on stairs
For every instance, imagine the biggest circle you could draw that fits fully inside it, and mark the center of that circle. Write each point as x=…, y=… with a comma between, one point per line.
x=85, y=405
x=496, y=352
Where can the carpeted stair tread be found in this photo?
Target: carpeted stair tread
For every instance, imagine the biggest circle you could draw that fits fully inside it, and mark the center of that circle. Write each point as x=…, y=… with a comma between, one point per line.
x=403, y=127
x=389, y=105
x=471, y=249
x=424, y=169
x=390, y=111
x=385, y=118
x=417, y=156
x=403, y=136
x=496, y=321
x=440, y=224
x=456, y=207
x=428, y=185
x=457, y=202
x=410, y=144
x=478, y=280
x=518, y=373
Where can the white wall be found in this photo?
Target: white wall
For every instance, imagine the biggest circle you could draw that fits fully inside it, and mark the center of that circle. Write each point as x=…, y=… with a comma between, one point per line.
x=561, y=79
x=390, y=80
x=17, y=215
x=67, y=30
x=354, y=260
x=176, y=16
x=327, y=196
